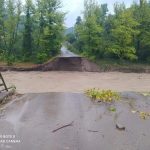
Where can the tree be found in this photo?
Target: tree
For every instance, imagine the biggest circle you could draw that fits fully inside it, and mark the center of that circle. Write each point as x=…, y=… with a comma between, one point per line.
x=40, y=23
x=89, y=31
x=27, y=34
x=71, y=38
x=78, y=20
x=10, y=28
x=2, y=17
x=36, y=32
x=122, y=34
x=142, y=15
x=52, y=31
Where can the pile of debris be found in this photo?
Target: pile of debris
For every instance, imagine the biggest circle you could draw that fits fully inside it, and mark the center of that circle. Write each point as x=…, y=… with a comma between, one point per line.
x=5, y=93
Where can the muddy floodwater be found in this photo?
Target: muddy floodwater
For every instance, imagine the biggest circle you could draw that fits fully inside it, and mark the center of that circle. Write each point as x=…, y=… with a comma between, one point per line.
x=54, y=114
x=66, y=121
x=55, y=81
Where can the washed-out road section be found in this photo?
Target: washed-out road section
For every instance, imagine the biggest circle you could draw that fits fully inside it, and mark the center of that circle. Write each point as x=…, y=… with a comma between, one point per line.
x=32, y=118
x=63, y=81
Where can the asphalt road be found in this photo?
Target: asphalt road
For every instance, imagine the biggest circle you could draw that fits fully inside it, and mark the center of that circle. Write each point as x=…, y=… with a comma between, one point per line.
x=67, y=53
x=33, y=117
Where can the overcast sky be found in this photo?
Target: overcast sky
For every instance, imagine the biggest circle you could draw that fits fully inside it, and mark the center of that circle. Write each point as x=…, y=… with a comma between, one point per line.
x=75, y=8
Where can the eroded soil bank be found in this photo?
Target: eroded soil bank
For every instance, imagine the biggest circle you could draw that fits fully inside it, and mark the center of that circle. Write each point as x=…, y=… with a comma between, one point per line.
x=75, y=63
x=56, y=81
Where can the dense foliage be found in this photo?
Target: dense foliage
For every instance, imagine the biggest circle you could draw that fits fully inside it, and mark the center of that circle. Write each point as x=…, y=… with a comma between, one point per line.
x=30, y=32
x=123, y=35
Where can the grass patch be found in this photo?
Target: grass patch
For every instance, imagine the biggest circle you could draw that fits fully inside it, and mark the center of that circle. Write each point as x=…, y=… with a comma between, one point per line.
x=106, y=96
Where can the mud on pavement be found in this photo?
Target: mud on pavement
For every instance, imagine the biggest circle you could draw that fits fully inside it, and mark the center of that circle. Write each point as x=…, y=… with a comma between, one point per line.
x=79, y=124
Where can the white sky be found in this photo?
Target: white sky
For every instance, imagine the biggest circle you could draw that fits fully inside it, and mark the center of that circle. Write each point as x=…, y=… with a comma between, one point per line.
x=75, y=8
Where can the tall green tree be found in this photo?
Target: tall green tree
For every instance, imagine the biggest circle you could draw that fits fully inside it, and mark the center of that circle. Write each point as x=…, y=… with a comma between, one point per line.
x=142, y=15
x=28, y=29
x=78, y=20
x=89, y=32
x=2, y=17
x=122, y=34
x=51, y=23
x=40, y=23
x=38, y=31
x=10, y=29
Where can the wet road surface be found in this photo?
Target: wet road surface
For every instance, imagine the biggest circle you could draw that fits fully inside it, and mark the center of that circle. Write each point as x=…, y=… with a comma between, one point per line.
x=67, y=53
x=33, y=117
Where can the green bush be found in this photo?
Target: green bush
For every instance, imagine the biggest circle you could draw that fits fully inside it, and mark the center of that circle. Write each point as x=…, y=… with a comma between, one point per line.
x=148, y=60
x=41, y=58
x=10, y=60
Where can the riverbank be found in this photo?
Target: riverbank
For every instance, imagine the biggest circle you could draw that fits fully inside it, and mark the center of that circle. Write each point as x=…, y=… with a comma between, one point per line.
x=68, y=61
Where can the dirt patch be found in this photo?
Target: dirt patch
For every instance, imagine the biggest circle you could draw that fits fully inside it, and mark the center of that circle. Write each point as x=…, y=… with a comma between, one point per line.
x=70, y=64
x=63, y=64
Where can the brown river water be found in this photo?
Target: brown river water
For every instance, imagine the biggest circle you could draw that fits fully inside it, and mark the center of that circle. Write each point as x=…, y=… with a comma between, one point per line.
x=56, y=81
